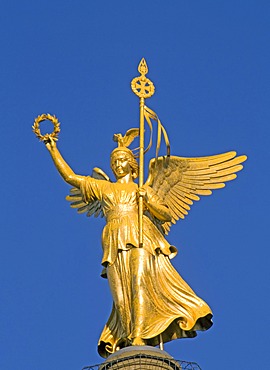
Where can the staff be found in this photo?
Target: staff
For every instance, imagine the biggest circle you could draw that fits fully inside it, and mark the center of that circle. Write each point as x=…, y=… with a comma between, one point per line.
x=143, y=88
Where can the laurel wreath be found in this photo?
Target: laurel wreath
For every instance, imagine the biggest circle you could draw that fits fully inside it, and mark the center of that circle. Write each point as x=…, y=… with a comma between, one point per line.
x=55, y=123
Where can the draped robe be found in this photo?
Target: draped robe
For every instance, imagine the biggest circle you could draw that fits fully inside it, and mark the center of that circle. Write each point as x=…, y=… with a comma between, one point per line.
x=150, y=299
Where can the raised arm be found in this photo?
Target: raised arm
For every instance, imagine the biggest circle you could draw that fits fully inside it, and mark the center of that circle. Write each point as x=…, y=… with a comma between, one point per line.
x=63, y=168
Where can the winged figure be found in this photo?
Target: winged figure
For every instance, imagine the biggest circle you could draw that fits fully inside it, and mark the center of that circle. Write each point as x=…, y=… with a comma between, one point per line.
x=151, y=301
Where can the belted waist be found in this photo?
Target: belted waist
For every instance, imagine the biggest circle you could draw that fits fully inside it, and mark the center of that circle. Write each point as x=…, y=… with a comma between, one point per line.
x=121, y=210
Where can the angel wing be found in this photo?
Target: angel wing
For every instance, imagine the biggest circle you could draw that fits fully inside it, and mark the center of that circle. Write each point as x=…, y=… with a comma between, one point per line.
x=94, y=206
x=179, y=181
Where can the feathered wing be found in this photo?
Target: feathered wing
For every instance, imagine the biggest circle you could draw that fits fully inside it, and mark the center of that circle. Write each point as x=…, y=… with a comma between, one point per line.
x=93, y=207
x=179, y=181
x=128, y=138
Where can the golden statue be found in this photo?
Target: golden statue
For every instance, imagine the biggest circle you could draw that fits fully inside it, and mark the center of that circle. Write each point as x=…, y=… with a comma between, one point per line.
x=152, y=304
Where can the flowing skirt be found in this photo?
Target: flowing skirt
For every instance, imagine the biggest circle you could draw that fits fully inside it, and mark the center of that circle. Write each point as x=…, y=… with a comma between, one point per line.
x=150, y=299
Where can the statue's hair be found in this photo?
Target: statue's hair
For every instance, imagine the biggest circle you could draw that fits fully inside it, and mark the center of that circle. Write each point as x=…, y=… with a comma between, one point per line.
x=131, y=159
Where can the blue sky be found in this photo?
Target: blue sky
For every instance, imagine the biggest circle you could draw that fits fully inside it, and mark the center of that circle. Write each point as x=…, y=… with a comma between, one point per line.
x=209, y=61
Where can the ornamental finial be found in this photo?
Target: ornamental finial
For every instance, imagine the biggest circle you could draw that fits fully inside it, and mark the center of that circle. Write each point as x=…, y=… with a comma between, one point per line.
x=142, y=86
x=142, y=68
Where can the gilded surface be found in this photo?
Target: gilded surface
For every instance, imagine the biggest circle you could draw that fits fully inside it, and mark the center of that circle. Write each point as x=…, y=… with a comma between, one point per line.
x=152, y=304
x=142, y=86
x=56, y=129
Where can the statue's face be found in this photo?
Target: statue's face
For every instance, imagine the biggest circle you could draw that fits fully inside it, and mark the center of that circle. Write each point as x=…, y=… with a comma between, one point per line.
x=120, y=165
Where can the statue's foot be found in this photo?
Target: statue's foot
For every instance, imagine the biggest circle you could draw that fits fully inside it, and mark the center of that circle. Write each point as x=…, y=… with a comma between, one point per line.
x=138, y=342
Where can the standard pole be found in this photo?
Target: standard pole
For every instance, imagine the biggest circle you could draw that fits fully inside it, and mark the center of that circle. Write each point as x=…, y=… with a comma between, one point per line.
x=143, y=88
x=141, y=171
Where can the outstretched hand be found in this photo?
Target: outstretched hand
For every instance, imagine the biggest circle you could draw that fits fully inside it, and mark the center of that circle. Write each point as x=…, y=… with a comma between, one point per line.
x=50, y=143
